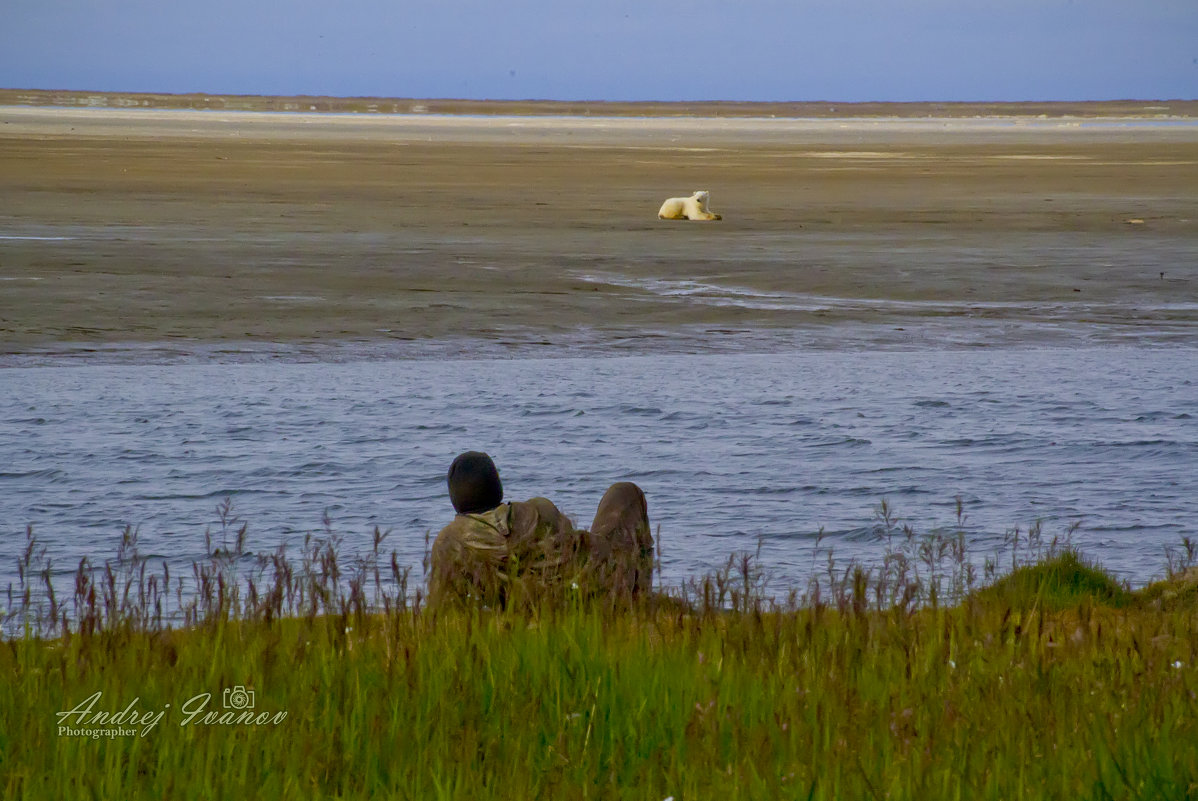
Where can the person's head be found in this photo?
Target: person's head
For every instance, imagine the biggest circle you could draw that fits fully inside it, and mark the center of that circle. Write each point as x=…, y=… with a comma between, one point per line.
x=474, y=483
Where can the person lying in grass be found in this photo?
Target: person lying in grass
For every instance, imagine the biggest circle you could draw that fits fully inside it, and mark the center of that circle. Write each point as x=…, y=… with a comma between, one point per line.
x=496, y=553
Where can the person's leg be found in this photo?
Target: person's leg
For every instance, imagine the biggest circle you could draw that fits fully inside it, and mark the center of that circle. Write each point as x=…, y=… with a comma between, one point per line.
x=621, y=538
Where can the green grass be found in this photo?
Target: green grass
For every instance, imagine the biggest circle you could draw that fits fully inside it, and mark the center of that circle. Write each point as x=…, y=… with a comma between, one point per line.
x=1053, y=682
x=1066, y=580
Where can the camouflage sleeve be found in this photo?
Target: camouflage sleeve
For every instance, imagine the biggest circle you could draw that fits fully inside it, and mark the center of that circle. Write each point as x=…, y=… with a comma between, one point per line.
x=545, y=546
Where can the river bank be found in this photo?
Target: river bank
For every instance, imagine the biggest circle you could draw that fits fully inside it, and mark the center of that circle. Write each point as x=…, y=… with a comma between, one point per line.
x=872, y=687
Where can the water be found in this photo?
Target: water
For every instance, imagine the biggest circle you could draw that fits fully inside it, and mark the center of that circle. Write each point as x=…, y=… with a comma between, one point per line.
x=731, y=449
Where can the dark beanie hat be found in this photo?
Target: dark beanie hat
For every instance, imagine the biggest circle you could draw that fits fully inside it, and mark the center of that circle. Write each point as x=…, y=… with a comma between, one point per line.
x=474, y=483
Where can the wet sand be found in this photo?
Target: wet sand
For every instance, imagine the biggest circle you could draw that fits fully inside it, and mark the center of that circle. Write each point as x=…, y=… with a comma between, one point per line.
x=180, y=229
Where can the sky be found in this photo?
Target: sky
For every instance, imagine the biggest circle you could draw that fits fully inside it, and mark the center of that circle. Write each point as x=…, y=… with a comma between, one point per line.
x=751, y=50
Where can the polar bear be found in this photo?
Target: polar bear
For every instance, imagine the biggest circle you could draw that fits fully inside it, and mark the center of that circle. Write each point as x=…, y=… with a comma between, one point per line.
x=687, y=208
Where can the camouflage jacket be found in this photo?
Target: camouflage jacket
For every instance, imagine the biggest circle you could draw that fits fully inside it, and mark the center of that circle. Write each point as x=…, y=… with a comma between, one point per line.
x=516, y=551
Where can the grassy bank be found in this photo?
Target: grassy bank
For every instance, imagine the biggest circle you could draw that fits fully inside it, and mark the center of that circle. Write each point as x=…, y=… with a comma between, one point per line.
x=1051, y=681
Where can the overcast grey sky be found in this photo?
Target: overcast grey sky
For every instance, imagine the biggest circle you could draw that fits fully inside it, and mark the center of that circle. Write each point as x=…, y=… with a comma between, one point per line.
x=845, y=50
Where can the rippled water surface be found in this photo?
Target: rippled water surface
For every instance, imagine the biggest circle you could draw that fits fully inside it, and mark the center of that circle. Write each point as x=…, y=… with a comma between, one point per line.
x=729, y=448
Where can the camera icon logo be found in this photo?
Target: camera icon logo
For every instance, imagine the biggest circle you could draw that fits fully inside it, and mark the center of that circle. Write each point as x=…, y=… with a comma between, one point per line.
x=238, y=697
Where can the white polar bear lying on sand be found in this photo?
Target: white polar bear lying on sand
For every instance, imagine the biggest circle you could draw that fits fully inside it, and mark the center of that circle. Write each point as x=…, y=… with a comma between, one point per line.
x=687, y=208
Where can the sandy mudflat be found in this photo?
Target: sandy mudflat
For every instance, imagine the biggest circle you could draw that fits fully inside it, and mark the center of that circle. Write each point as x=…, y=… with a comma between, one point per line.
x=194, y=227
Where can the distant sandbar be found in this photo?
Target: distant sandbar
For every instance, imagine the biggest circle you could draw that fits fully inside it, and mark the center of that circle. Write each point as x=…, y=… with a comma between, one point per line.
x=1153, y=109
